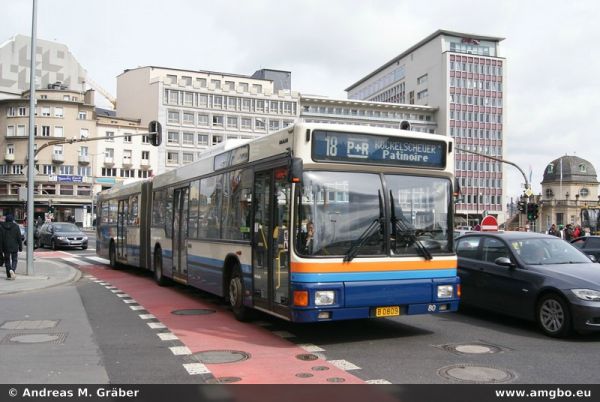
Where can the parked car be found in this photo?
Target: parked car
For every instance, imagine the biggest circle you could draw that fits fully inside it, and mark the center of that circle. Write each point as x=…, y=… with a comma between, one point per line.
x=60, y=234
x=532, y=276
x=589, y=245
x=23, y=232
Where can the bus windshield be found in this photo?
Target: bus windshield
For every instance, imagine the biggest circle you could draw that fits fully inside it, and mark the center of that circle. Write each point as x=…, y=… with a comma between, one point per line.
x=336, y=210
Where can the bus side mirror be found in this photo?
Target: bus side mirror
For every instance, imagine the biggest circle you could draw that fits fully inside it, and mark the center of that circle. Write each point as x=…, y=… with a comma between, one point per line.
x=295, y=170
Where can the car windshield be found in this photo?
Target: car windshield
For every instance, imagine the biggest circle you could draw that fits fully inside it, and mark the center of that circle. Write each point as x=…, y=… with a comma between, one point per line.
x=347, y=214
x=66, y=227
x=547, y=251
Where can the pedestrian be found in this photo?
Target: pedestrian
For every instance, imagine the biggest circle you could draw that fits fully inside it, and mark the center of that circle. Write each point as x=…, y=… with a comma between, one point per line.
x=577, y=232
x=553, y=231
x=11, y=245
x=568, y=232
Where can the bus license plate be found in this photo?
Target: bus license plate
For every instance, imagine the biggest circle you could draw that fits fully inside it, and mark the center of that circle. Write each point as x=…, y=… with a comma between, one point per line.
x=388, y=311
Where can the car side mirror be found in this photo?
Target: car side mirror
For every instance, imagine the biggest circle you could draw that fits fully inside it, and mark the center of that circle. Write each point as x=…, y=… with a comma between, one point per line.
x=505, y=262
x=592, y=258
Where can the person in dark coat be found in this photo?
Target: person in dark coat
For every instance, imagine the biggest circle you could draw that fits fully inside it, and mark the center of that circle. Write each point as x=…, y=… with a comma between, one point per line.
x=11, y=245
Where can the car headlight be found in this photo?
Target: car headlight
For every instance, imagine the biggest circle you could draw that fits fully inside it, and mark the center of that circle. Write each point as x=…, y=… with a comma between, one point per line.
x=61, y=238
x=445, y=291
x=587, y=294
x=324, y=297
x=84, y=237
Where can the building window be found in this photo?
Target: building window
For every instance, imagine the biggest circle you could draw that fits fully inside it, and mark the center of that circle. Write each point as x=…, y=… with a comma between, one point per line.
x=45, y=111
x=187, y=157
x=188, y=98
x=229, y=85
x=216, y=84
x=188, y=138
x=273, y=125
x=216, y=139
x=584, y=192
x=10, y=131
x=173, y=117
x=171, y=79
x=145, y=139
x=58, y=131
x=218, y=102
x=550, y=169
x=582, y=168
x=145, y=155
x=202, y=119
x=109, y=153
x=82, y=115
x=173, y=157
x=11, y=111
x=10, y=149
x=188, y=118
x=58, y=150
x=21, y=130
x=173, y=97
x=201, y=82
x=246, y=123
x=83, y=151
x=232, y=122
x=422, y=79
x=202, y=139
x=257, y=88
x=84, y=133
x=259, y=124
x=172, y=137
x=109, y=172
x=217, y=121
x=244, y=86
x=202, y=100
x=127, y=138
x=22, y=111
x=187, y=81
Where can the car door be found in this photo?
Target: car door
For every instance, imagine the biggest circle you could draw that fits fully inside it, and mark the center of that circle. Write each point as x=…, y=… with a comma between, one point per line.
x=467, y=250
x=507, y=289
x=592, y=247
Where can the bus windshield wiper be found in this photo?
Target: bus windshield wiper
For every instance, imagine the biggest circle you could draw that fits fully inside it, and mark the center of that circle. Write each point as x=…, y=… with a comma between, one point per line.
x=401, y=227
x=369, y=231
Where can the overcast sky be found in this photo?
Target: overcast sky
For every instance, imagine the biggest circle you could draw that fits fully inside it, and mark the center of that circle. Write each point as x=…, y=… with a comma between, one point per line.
x=551, y=47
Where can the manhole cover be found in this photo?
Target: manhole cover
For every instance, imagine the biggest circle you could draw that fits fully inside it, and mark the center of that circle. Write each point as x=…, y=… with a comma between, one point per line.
x=29, y=338
x=476, y=374
x=304, y=375
x=320, y=368
x=307, y=357
x=224, y=380
x=336, y=379
x=221, y=356
x=198, y=311
x=472, y=348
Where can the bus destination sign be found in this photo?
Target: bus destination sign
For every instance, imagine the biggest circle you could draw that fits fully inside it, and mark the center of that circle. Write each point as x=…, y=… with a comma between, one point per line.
x=377, y=149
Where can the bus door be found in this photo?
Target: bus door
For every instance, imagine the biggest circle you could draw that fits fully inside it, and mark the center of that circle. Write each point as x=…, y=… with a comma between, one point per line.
x=271, y=240
x=180, y=233
x=122, y=212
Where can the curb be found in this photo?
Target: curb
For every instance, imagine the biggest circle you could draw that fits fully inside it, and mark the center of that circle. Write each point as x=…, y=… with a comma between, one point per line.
x=74, y=276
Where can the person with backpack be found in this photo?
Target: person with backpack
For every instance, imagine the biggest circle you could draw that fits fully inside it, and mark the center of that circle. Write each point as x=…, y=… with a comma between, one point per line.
x=11, y=245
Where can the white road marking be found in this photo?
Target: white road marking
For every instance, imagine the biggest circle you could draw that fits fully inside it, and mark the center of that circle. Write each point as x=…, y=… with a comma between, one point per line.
x=378, y=382
x=344, y=365
x=196, y=368
x=147, y=316
x=129, y=301
x=122, y=295
x=135, y=308
x=157, y=325
x=180, y=350
x=167, y=336
x=309, y=347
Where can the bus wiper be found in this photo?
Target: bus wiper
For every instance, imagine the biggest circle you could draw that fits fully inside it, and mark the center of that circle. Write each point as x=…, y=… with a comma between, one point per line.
x=399, y=226
x=369, y=231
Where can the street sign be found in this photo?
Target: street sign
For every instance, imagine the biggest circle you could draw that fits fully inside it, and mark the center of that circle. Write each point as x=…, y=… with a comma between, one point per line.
x=489, y=224
x=528, y=192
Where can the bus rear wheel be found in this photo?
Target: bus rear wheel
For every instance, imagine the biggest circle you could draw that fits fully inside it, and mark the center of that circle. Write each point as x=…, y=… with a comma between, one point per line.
x=236, y=296
x=158, y=272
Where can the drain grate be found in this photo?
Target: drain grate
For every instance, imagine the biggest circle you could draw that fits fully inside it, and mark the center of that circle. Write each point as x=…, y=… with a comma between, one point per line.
x=307, y=357
x=336, y=379
x=320, y=368
x=221, y=356
x=468, y=373
x=197, y=311
x=28, y=338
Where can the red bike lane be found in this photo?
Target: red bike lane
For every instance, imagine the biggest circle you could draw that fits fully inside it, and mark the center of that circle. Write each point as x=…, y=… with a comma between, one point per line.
x=272, y=359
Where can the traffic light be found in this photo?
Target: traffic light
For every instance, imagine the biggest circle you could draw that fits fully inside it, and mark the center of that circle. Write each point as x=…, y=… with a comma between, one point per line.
x=532, y=212
x=155, y=130
x=521, y=206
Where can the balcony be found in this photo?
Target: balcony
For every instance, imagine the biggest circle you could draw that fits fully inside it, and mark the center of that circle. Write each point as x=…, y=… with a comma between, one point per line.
x=9, y=158
x=127, y=162
x=58, y=158
x=145, y=164
x=84, y=159
x=109, y=161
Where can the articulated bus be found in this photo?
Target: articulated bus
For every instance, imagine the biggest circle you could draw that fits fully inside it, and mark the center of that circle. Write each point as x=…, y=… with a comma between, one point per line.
x=315, y=222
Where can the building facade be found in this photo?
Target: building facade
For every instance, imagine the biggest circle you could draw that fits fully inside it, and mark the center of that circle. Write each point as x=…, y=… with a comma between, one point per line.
x=463, y=77
x=569, y=186
x=199, y=109
x=63, y=174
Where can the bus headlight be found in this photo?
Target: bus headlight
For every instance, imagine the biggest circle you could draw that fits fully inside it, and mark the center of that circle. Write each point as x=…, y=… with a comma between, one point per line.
x=445, y=291
x=324, y=297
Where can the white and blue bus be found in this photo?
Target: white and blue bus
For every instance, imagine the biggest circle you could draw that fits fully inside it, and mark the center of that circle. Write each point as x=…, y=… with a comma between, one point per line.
x=315, y=222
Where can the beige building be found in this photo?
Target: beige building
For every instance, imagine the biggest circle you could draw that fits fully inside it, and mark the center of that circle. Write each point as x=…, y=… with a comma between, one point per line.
x=569, y=187
x=199, y=109
x=63, y=175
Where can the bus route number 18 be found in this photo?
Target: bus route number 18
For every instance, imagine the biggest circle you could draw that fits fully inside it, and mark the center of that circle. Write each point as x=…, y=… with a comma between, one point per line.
x=332, y=143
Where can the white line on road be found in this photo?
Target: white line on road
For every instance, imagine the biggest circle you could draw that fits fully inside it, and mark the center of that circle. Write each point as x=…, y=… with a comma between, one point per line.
x=378, y=382
x=167, y=336
x=180, y=350
x=309, y=347
x=157, y=325
x=344, y=365
x=136, y=308
x=196, y=368
x=147, y=316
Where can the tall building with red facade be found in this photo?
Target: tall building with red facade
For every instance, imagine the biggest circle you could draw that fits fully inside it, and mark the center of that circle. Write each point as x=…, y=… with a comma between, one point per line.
x=463, y=76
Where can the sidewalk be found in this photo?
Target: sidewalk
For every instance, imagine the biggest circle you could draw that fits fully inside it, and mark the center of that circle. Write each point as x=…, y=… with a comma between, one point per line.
x=46, y=273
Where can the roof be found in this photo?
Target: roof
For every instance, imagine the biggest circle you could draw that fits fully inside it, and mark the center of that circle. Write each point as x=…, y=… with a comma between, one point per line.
x=418, y=45
x=570, y=168
x=200, y=71
x=510, y=235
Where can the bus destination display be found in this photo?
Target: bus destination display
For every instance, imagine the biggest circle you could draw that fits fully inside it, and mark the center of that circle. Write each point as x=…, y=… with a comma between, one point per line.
x=364, y=148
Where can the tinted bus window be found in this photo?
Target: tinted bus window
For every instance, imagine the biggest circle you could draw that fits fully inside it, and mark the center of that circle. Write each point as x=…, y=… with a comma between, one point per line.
x=236, y=208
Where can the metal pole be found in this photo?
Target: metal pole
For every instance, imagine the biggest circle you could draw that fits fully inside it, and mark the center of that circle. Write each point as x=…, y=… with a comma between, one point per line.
x=30, y=151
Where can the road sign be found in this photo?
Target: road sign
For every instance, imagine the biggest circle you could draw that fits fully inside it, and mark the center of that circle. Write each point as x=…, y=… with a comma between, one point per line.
x=489, y=224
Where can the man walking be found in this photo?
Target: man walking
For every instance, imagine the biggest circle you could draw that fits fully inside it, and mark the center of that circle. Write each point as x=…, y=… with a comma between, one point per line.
x=11, y=245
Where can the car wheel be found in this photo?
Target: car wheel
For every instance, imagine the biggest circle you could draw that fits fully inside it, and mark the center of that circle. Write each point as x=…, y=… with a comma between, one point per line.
x=158, y=268
x=84, y=247
x=236, y=296
x=553, y=315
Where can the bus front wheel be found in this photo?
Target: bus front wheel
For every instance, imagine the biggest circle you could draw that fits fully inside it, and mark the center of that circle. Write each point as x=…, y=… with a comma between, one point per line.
x=236, y=296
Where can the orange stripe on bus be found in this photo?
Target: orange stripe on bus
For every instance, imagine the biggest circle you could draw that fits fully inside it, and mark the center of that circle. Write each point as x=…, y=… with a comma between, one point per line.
x=359, y=266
